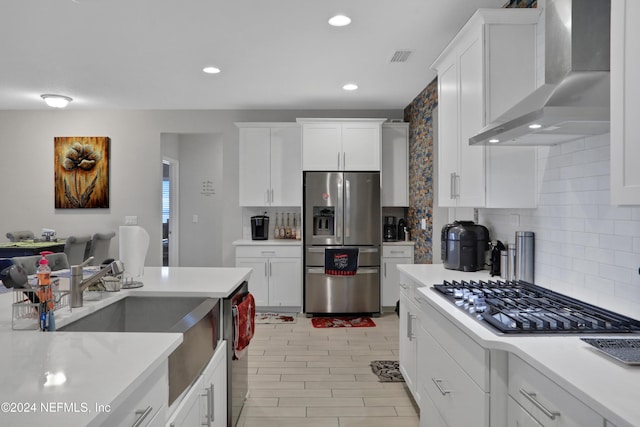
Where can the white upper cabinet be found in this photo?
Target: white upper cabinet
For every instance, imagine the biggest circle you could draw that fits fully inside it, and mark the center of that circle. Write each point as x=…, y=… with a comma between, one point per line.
x=341, y=144
x=487, y=68
x=270, y=160
x=625, y=102
x=395, y=164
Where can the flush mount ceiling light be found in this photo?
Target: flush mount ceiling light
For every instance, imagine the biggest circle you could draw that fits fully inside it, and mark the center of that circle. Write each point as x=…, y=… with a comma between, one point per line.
x=339, y=21
x=56, y=101
x=350, y=86
x=211, y=70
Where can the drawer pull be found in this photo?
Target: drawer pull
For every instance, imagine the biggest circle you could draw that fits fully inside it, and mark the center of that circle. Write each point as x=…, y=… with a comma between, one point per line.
x=531, y=397
x=419, y=300
x=141, y=416
x=405, y=287
x=267, y=252
x=397, y=252
x=438, y=384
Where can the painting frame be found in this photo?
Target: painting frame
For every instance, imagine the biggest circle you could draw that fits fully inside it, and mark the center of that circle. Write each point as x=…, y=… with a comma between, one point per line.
x=81, y=172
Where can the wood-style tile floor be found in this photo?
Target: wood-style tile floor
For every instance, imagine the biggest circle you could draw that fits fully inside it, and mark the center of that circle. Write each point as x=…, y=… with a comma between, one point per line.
x=301, y=376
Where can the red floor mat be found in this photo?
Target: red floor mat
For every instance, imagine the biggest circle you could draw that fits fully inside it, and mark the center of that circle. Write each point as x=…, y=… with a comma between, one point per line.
x=342, y=322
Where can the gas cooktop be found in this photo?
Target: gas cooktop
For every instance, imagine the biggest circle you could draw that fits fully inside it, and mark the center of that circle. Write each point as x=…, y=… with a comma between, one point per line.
x=524, y=308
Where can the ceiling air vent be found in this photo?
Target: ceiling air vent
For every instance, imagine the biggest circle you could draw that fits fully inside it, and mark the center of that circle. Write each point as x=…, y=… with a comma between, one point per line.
x=401, y=55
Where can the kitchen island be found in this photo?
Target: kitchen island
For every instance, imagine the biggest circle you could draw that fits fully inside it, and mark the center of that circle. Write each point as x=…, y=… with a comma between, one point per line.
x=81, y=378
x=508, y=380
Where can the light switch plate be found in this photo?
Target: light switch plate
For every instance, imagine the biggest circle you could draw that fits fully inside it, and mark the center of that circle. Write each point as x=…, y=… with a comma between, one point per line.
x=131, y=220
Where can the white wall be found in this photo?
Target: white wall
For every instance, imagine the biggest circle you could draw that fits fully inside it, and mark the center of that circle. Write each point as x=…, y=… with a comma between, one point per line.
x=201, y=237
x=584, y=246
x=26, y=169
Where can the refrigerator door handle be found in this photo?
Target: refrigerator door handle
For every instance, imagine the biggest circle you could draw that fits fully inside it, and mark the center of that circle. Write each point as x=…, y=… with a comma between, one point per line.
x=347, y=208
x=361, y=270
x=339, y=213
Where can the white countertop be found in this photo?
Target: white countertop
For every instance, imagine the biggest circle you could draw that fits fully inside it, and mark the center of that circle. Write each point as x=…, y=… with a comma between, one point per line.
x=100, y=368
x=609, y=387
x=272, y=242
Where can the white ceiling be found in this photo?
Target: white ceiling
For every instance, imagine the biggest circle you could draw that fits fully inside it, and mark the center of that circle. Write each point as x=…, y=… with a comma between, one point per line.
x=274, y=54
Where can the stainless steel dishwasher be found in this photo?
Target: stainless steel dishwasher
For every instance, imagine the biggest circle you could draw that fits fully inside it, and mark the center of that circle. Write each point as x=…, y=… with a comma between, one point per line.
x=237, y=370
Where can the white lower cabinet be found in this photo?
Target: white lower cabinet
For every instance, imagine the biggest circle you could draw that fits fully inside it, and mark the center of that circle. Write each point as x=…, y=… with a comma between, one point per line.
x=276, y=280
x=442, y=378
x=392, y=256
x=544, y=400
x=517, y=416
x=146, y=404
x=205, y=404
x=408, y=340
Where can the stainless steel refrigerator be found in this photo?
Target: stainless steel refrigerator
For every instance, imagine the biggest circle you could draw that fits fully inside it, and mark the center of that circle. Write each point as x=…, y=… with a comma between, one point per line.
x=342, y=210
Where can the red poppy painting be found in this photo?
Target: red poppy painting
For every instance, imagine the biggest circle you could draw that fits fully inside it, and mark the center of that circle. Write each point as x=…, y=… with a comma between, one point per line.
x=81, y=168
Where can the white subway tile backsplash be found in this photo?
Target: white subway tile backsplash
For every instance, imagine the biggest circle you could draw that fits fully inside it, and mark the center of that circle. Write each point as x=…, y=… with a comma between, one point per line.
x=627, y=259
x=618, y=274
x=585, y=247
x=614, y=212
x=627, y=228
x=600, y=226
x=605, y=256
x=621, y=243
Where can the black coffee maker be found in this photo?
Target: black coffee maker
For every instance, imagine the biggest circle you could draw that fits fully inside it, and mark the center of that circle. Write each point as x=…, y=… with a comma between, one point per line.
x=389, y=231
x=260, y=227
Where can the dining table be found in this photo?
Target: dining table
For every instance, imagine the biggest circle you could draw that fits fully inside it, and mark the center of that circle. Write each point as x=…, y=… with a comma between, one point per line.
x=30, y=247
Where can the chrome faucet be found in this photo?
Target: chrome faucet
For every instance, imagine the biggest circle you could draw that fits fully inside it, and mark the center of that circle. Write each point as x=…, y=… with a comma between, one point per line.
x=77, y=286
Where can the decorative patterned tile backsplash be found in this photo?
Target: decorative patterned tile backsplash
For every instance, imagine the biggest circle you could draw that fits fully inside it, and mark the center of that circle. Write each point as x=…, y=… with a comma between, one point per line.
x=419, y=116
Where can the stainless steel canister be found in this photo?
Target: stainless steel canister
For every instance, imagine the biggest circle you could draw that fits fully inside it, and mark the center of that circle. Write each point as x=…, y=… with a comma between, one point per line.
x=524, y=256
x=504, y=265
x=511, y=261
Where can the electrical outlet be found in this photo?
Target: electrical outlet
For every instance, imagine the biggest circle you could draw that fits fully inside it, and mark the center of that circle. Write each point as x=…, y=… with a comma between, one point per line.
x=195, y=218
x=131, y=220
x=423, y=224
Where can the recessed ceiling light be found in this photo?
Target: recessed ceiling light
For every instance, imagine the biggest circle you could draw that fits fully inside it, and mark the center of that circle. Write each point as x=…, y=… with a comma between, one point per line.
x=340, y=21
x=350, y=86
x=535, y=126
x=494, y=141
x=56, y=101
x=211, y=70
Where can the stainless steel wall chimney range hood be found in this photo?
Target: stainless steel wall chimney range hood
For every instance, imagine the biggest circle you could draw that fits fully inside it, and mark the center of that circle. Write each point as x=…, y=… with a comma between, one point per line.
x=574, y=100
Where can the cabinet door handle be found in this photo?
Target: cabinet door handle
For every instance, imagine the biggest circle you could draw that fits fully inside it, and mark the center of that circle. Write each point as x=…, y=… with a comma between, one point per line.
x=344, y=160
x=457, y=182
x=531, y=397
x=212, y=412
x=271, y=196
x=269, y=269
x=266, y=273
x=207, y=415
x=385, y=270
x=338, y=160
x=142, y=414
x=438, y=384
x=410, y=318
x=452, y=184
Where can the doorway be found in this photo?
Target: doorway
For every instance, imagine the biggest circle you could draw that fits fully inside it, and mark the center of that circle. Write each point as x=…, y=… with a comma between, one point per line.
x=169, y=212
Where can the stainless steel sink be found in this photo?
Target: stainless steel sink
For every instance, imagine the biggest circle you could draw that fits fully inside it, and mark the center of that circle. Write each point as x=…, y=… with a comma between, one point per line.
x=196, y=318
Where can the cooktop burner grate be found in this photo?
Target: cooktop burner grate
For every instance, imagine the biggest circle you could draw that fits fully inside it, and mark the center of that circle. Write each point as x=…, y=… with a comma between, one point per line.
x=521, y=307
